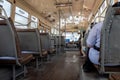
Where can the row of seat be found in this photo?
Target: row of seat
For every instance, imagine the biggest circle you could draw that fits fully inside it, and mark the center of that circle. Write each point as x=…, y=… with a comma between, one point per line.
x=35, y=43
x=10, y=51
x=18, y=47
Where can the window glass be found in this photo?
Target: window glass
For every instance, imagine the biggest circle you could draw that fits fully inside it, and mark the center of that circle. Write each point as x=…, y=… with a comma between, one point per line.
x=21, y=12
x=33, y=25
x=34, y=22
x=56, y=31
x=7, y=6
x=101, y=12
x=47, y=30
x=96, y=18
x=74, y=36
x=111, y=2
x=52, y=30
x=104, y=5
x=21, y=18
x=20, y=26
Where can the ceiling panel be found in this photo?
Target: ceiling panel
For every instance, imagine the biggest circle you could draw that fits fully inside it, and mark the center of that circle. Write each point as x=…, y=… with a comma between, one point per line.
x=49, y=9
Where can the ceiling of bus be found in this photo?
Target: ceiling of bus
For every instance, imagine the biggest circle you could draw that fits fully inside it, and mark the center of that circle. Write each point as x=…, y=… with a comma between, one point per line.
x=49, y=9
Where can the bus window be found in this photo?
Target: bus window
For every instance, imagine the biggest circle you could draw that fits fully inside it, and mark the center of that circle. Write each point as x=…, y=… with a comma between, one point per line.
x=52, y=30
x=40, y=31
x=34, y=22
x=7, y=6
x=21, y=18
x=111, y=2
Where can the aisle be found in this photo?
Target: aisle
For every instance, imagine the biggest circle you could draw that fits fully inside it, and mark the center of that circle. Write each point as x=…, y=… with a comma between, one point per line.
x=62, y=67
x=67, y=66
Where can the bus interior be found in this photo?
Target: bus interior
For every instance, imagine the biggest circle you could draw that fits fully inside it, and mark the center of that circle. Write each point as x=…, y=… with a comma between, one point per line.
x=47, y=39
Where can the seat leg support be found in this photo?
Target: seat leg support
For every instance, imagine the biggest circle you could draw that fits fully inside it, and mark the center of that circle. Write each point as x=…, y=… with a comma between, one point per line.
x=13, y=68
x=37, y=63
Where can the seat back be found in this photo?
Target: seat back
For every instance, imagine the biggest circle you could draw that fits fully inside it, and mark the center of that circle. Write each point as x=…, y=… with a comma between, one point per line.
x=110, y=41
x=9, y=43
x=7, y=40
x=52, y=41
x=29, y=40
x=57, y=41
x=62, y=44
x=62, y=41
x=45, y=41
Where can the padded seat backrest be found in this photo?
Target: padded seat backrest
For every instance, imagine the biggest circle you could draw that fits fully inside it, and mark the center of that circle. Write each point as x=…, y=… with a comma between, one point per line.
x=57, y=40
x=62, y=41
x=110, y=38
x=45, y=41
x=7, y=40
x=8, y=43
x=52, y=41
x=29, y=39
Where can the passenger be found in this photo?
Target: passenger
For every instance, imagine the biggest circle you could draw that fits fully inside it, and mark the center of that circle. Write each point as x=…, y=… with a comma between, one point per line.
x=84, y=45
x=83, y=35
x=87, y=66
x=93, y=42
x=80, y=43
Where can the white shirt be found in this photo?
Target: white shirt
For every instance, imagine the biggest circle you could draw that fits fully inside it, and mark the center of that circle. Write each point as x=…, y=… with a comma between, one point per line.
x=94, y=39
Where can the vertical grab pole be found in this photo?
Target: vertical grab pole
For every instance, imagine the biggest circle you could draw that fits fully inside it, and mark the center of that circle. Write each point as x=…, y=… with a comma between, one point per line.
x=59, y=37
x=65, y=32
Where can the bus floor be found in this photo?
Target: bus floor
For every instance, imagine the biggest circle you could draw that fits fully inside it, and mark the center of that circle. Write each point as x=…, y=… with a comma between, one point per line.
x=67, y=66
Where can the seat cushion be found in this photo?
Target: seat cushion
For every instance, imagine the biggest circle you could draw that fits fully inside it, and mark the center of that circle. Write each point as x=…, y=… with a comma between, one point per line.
x=34, y=53
x=52, y=51
x=7, y=60
x=44, y=53
x=25, y=58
